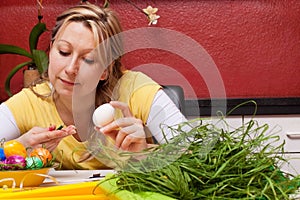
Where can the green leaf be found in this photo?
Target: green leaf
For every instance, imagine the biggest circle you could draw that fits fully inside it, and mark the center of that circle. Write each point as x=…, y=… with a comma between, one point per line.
x=11, y=74
x=35, y=33
x=41, y=60
x=11, y=49
x=106, y=4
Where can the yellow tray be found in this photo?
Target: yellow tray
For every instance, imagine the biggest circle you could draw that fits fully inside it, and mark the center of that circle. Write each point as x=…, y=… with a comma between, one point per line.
x=25, y=178
x=80, y=191
x=86, y=190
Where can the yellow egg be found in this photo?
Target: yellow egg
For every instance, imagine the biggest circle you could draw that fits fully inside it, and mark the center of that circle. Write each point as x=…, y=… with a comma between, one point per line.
x=103, y=115
x=13, y=147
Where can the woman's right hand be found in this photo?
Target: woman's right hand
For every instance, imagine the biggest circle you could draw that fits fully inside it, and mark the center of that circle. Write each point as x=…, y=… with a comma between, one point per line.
x=45, y=137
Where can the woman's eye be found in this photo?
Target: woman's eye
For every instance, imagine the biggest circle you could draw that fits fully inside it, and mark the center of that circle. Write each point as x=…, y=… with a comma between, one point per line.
x=63, y=53
x=89, y=61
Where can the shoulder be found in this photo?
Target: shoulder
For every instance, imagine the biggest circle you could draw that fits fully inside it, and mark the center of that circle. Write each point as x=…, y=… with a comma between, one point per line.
x=132, y=82
x=138, y=90
x=129, y=74
x=43, y=89
x=136, y=79
x=29, y=109
x=26, y=95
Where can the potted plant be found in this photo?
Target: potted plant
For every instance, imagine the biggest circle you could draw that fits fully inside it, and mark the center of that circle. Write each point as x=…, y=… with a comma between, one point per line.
x=38, y=58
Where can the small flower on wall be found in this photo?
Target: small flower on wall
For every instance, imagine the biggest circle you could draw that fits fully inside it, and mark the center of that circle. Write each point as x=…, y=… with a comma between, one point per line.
x=149, y=11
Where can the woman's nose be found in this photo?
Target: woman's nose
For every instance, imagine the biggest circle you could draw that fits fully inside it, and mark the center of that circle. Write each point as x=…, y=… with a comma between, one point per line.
x=73, y=67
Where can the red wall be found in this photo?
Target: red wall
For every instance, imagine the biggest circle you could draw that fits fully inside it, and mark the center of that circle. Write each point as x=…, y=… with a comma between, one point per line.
x=254, y=44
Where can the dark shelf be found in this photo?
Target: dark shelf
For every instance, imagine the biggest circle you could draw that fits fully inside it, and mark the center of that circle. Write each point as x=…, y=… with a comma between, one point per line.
x=265, y=106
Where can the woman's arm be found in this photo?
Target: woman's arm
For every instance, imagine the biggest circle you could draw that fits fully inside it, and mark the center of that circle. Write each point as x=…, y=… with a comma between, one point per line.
x=35, y=137
x=9, y=129
x=163, y=113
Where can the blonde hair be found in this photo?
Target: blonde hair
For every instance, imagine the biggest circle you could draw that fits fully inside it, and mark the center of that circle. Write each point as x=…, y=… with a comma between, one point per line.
x=105, y=25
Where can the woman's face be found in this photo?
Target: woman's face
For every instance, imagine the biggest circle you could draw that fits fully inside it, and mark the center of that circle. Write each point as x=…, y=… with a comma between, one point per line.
x=73, y=65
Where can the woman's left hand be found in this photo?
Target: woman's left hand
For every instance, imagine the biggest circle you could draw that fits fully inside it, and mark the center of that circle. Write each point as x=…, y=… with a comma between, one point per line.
x=128, y=132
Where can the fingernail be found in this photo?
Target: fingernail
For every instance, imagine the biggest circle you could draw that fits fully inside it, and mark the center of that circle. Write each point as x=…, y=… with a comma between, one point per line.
x=102, y=130
x=51, y=128
x=72, y=126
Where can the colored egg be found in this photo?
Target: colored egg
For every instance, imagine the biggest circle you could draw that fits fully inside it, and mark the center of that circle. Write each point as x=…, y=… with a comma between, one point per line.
x=33, y=163
x=103, y=115
x=13, y=147
x=2, y=155
x=43, y=154
x=15, y=162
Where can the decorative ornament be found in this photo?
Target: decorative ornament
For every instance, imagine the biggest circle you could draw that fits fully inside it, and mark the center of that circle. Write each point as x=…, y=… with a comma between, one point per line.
x=151, y=13
x=34, y=163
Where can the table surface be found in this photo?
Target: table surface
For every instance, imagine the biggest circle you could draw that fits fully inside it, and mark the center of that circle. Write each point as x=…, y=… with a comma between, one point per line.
x=62, y=177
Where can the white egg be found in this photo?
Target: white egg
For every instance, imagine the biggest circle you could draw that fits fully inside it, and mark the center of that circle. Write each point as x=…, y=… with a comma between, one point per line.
x=103, y=115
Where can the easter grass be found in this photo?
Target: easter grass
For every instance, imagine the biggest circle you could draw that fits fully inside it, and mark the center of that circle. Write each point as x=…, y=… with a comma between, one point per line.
x=211, y=163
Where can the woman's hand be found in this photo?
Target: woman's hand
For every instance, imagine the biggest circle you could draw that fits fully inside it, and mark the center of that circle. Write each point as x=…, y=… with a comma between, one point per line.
x=45, y=137
x=128, y=132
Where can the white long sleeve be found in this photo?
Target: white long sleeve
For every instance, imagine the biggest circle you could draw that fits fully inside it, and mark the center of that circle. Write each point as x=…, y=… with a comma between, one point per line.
x=163, y=113
x=8, y=126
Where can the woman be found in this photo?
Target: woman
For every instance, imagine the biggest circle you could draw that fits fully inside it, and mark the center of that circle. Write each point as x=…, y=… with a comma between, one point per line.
x=84, y=72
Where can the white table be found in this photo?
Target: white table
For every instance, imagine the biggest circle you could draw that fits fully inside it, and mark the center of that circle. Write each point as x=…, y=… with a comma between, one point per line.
x=74, y=176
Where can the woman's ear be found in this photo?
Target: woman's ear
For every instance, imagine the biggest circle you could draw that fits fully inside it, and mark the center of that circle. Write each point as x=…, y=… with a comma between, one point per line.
x=51, y=44
x=104, y=75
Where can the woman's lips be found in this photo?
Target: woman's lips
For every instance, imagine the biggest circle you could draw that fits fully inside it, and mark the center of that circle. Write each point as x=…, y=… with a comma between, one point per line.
x=67, y=82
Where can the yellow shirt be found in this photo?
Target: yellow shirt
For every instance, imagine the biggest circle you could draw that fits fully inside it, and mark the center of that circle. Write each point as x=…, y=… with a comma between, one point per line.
x=135, y=88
